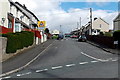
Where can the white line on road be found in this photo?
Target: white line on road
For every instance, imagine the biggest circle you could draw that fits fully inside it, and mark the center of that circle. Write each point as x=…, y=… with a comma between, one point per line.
x=115, y=60
x=23, y=74
x=37, y=71
x=94, y=57
x=5, y=77
x=58, y=67
x=70, y=65
x=83, y=63
x=94, y=61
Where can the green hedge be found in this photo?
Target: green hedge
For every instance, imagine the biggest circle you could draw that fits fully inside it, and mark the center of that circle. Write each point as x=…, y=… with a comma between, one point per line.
x=18, y=40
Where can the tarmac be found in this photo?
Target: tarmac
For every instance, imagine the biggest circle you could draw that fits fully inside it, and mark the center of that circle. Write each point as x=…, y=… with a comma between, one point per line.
x=105, y=48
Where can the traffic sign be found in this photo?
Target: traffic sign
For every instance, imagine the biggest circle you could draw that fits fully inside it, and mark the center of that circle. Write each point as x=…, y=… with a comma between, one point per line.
x=41, y=23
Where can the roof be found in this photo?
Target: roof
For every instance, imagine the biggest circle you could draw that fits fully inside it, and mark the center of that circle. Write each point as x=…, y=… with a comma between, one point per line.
x=11, y=2
x=103, y=20
x=117, y=17
x=27, y=10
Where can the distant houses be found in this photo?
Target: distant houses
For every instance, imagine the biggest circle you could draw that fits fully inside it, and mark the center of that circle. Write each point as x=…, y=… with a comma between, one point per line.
x=15, y=17
x=98, y=25
x=117, y=23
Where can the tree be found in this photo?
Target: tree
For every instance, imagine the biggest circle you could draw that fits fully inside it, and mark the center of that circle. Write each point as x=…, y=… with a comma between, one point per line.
x=46, y=30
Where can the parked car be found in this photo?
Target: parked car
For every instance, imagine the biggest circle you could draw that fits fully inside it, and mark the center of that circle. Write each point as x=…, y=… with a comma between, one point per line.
x=82, y=38
x=60, y=36
x=73, y=36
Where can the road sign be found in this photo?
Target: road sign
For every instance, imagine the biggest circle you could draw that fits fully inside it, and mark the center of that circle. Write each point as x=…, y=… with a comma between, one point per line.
x=41, y=23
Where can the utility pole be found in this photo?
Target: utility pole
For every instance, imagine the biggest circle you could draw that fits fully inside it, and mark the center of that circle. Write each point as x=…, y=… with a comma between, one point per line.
x=77, y=25
x=80, y=22
x=91, y=21
x=60, y=29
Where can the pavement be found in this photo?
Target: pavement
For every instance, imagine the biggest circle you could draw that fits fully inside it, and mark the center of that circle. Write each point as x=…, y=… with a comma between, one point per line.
x=107, y=49
x=22, y=60
x=70, y=59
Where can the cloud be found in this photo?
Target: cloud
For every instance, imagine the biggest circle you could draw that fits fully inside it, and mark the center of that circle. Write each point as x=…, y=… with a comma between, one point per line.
x=51, y=11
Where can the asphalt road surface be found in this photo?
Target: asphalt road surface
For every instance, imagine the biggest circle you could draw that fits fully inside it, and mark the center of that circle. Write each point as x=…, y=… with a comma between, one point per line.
x=68, y=58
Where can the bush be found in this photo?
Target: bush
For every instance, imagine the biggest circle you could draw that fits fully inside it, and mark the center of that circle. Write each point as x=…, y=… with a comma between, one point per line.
x=109, y=34
x=19, y=40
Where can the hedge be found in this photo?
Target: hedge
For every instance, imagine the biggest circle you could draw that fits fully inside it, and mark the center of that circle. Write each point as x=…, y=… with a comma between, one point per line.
x=116, y=35
x=18, y=40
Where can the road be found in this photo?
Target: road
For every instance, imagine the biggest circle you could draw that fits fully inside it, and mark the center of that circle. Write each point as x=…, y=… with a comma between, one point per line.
x=71, y=59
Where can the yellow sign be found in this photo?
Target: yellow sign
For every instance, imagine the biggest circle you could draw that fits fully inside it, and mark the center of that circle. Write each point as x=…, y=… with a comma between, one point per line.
x=41, y=23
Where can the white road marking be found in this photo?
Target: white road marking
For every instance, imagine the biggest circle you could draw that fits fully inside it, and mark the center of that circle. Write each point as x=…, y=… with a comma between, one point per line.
x=94, y=61
x=39, y=71
x=5, y=77
x=58, y=67
x=23, y=74
x=83, y=63
x=94, y=57
x=70, y=65
x=114, y=60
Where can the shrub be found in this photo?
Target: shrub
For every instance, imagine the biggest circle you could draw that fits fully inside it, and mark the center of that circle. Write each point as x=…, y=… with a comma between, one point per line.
x=109, y=34
x=19, y=40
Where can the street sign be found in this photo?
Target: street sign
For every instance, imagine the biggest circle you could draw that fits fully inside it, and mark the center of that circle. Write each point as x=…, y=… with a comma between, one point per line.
x=41, y=23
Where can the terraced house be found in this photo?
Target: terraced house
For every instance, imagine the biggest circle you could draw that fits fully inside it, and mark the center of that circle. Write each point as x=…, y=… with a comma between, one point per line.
x=15, y=17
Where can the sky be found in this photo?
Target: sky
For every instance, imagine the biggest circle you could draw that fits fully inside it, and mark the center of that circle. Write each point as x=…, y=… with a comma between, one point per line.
x=67, y=13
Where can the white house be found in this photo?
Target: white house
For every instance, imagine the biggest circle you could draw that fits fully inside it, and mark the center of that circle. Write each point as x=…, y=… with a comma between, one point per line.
x=16, y=17
x=55, y=32
x=98, y=25
x=4, y=9
x=116, y=23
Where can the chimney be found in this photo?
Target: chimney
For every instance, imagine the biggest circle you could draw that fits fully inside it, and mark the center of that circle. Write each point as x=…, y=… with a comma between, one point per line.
x=95, y=19
x=24, y=6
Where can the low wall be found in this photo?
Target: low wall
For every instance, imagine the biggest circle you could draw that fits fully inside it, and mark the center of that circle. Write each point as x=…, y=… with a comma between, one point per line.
x=102, y=40
x=3, y=43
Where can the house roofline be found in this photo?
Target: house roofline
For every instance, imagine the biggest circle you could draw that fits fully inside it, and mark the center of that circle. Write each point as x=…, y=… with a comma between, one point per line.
x=27, y=10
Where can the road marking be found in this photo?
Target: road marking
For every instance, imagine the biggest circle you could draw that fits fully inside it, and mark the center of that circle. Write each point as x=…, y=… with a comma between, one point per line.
x=37, y=71
x=24, y=74
x=58, y=67
x=114, y=60
x=83, y=63
x=70, y=65
x=94, y=57
x=94, y=61
x=5, y=77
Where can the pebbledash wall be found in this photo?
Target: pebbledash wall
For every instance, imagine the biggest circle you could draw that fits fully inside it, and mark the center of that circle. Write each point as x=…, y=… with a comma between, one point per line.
x=4, y=9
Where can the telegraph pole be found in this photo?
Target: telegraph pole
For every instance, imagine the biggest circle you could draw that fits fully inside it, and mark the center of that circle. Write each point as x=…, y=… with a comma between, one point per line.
x=60, y=29
x=80, y=22
x=91, y=21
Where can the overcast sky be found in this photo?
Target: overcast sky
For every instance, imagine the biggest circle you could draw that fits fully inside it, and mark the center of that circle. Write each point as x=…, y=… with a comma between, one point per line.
x=68, y=12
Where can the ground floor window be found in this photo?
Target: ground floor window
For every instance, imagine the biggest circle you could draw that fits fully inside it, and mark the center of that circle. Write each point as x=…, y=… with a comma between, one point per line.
x=9, y=23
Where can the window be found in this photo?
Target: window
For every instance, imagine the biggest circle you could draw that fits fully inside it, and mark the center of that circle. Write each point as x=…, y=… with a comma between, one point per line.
x=9, y=24
x=100, y=25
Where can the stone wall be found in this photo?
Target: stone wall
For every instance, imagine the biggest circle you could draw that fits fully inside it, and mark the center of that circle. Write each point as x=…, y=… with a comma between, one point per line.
x=3, y=43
